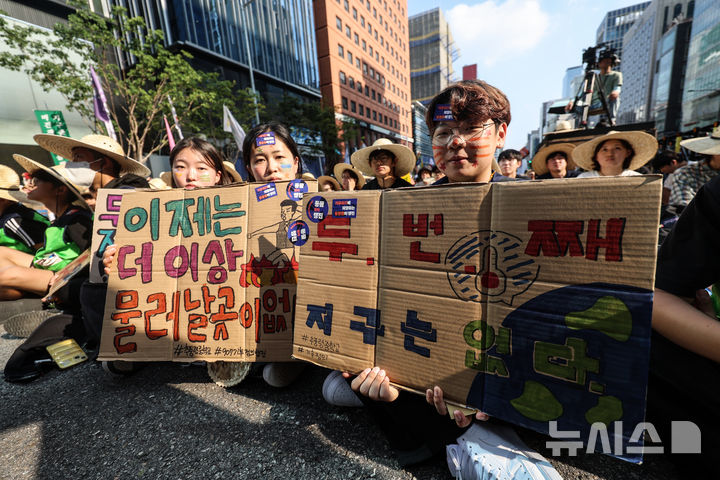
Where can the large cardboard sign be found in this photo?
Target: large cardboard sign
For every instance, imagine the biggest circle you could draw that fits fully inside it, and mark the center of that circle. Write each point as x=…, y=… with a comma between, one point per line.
x=205, y=274
x=530, y=301
x=107, y=212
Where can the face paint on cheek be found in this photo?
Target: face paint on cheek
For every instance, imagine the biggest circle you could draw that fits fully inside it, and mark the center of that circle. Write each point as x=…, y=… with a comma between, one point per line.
x=259, y=150
x=204, y=177
x=178, y=174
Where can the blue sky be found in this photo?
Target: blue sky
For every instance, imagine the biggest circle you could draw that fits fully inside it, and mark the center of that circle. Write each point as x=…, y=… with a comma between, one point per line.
x=522, y=47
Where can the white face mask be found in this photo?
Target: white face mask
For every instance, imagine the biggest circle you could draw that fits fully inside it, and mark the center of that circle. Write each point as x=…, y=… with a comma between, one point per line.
x=80, y=173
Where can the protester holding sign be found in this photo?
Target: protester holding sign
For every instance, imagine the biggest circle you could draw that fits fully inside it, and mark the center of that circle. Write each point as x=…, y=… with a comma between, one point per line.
x=615, y=154
x=197, y=163
x=387, y=162
x=270, y=153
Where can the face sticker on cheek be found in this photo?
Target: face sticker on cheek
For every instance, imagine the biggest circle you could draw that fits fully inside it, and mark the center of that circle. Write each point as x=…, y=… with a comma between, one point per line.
x=178, y=173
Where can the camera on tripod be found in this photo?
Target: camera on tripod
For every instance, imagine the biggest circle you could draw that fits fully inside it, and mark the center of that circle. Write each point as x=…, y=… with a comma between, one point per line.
x=591, y=57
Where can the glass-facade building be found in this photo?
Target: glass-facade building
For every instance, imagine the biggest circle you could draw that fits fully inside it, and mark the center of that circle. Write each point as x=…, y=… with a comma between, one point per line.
x=572, y=81
x=615, y=24
x=669, y=78
x=421, y=134
x=432, y=52
x=701, y=95
x=280, y=39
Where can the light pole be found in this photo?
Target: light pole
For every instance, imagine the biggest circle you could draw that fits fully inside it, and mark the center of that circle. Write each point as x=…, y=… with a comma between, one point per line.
x=249, y=56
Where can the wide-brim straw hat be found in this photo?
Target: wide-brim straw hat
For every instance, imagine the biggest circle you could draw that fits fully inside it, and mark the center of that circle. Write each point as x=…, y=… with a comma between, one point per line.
x=10, y=185
x=539, y=163
x=158, y=183
x=645, y=147
x=105, y=145
x=405, y=157
x=57, y=172
x=709, y=145
x=322, y=179
x=341, y=167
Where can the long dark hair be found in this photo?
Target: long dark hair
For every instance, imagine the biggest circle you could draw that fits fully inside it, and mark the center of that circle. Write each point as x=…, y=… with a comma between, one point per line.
x=625, y=143
x=281, y=131
x=208, y=151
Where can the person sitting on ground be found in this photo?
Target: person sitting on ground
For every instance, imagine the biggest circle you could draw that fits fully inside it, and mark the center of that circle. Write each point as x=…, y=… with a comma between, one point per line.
x=555, y=161
x=350, y=177
x=424, y=177
x=508, y=162
x=615, y=154
x=666, y=162
x=21, y=228
x=387, y=162
x=22, y=273
x=326, y=183
x=688, y=179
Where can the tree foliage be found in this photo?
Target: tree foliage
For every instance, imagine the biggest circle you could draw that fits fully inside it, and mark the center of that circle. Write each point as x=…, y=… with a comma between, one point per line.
x=315, y=117
x=134, y=66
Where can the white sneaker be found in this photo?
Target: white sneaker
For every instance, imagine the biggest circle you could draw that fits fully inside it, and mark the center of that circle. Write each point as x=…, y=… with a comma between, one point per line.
x=336, y=391
x=494, y=452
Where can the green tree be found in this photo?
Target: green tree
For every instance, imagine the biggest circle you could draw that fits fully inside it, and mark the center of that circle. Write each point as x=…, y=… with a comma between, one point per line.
x=134, y=67
x=317, y=118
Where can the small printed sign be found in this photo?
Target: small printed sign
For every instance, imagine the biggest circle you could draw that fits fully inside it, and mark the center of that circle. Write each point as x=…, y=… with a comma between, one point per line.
x=442, y=113
x=265, y=139
x=266, y=191
x=317, y=209
x=295, y=189
x=344, y=207
x=298, y=233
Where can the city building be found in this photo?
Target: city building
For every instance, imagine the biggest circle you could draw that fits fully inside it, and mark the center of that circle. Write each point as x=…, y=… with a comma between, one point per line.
x=365, y=67
x=432, y=53
x=614, y=25
x=470, y=72
x=701, y=95
x=639, y=57
x=422, y=145
x=669, y=79
x=572, y=81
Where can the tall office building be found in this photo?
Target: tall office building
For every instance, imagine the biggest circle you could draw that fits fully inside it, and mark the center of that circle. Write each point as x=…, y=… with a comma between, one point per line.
x=422, y=145
x=669, y=80
x=432, y=53
x=572, y=81
x=701, y=95
x=364, y=66
x=615, y=24
x=639, y=57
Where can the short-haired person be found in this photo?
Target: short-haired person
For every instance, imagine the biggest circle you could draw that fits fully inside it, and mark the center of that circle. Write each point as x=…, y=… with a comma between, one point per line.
x=687, y=180
x=555, y=161
x=666, y=162
x=424, y=177
x=610, y=82
x=615, y=154
x=509, y=161
x=270, y=154
x=350, y=177
x=387, y=162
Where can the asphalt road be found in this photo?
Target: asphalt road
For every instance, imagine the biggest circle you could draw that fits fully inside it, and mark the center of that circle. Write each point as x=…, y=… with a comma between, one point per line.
x=170, y=421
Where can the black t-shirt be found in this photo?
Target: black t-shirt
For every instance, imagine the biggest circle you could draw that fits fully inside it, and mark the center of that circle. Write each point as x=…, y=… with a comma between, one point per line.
x=375, y=185
x=78, y=227
x=689, y=259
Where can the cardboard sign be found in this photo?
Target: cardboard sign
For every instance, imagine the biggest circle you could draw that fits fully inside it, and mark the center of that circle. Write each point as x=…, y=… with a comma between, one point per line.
x=530, y=301
x=204, y=274
x=107, y=212
x=68, y=272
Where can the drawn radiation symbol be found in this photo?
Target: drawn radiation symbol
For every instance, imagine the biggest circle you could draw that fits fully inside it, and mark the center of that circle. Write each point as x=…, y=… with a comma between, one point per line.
x=488, y=266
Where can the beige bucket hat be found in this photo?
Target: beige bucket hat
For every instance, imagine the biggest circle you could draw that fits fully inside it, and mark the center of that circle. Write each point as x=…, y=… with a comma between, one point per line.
x=10, y=185
x=323, y=179
x=539, y=163
x=644, y=144
x=341, y=167
x=63, y=146
x=709, y=145
x=57, y=172
x=405, y=157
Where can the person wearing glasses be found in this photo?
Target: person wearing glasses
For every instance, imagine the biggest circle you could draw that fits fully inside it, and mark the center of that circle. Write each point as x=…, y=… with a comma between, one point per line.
x=387, y=162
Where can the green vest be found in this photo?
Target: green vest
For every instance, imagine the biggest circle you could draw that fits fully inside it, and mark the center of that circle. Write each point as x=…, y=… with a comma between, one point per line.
x=13, y=242
x=57, y=252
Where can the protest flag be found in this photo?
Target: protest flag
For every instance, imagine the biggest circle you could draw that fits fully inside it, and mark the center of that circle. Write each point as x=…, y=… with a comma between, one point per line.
x=232, y=125
x=171, y=139
x=101, y=110
x=175, y=118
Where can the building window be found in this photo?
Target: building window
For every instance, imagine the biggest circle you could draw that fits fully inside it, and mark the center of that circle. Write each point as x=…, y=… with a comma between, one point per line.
x=368, y=5
x=348, y=33
x=374, y=115
x=372, y=72
x=364, y=46
x=362, y=21
x=344, y=103
x=342, y=78
x=355, y=13
x=373, y=94
x=367, y=112
x=338, y=23
x=359, y=84
x=351, y=82
x=357, y=62
x=371, y=51
x=376, y=35
x=357, y=39
x=374, y=12
x=341, y=51
x=347, y=5
x=349, y=57
x=365, y=69
x=352, y=106
x=367, y=91
x=380, y=20
x=361, y=109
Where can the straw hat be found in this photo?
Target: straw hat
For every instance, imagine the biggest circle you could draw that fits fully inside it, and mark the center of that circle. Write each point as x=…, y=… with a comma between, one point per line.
x=405, y=157
x=10, y=185
x=158, y=183
x=341, y=167
x=645, y=147
x=704, y=145
x=539, y=163
x=57, y=172
x=323, y=179
x=63, y=146
x=307, y=176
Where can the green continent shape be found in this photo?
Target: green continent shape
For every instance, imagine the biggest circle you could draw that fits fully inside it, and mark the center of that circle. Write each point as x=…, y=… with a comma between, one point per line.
x=608, y=315
x=537, y=403
x=608, y=409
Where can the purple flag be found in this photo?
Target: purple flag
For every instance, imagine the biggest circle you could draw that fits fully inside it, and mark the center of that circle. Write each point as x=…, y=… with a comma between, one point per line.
x=171, y=139
x=101, y=110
